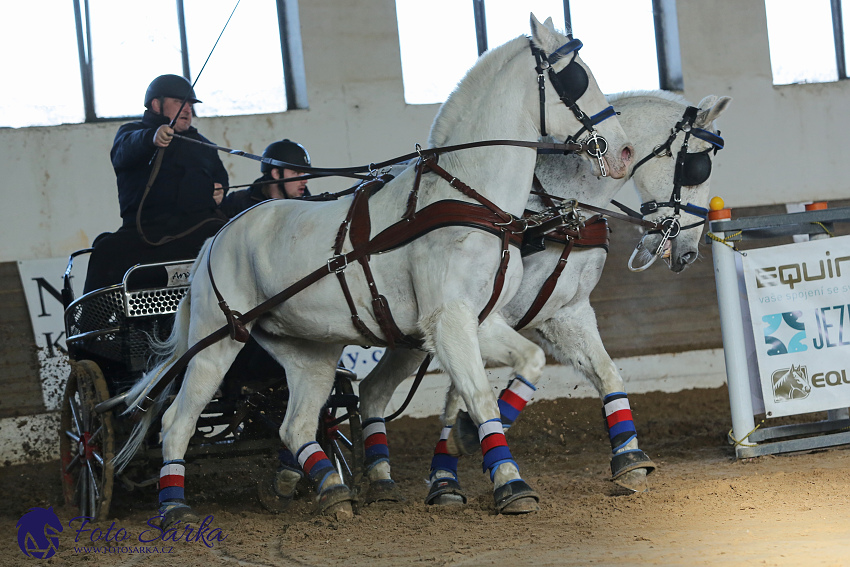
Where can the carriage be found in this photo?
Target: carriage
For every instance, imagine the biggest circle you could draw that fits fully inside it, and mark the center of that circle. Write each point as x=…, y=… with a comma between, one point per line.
x=109, y=334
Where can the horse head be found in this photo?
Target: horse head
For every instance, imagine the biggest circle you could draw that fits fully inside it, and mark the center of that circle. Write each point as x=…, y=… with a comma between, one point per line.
x=672, y=174
x=591, y=119
x=792, y=384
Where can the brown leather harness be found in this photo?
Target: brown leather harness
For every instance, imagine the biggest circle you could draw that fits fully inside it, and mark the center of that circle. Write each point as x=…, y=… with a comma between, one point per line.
x=485, y=216
x=567, y=229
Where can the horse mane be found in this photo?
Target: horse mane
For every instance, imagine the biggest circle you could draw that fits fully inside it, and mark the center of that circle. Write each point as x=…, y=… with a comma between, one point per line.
x=665, y=95
x=461, y=99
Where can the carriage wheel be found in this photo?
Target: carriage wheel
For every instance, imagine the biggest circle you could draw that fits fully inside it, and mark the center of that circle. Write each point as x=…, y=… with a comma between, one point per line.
x=86, y=442
x=345, y=452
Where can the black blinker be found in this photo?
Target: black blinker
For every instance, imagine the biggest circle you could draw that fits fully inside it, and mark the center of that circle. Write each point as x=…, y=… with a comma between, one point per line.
x=573, y=81
x=696, y=168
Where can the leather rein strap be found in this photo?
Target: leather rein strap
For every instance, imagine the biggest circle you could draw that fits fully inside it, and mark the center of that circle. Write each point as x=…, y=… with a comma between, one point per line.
x=487, y=217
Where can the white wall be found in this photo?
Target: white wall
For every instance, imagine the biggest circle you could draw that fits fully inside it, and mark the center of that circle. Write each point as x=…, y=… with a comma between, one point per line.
x=783, y=143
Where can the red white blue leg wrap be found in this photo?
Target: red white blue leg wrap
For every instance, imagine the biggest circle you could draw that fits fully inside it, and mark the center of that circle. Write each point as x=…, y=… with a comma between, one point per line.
x=514, y=398
x=442, y=461
x=618, y=420
x=494, y=446
x=315, y=463
x=375, y=442
x=172, y=476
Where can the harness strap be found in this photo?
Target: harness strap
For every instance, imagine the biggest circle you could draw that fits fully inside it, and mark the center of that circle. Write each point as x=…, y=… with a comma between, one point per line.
x=362, y=328
x=593, y=234
x=420, y=374
x=546, y=290
x=361, y=228
x=437, y=215
x=548, y=147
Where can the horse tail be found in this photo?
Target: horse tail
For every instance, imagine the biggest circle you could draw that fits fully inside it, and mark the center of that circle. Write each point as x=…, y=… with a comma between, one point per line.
x=168, y=352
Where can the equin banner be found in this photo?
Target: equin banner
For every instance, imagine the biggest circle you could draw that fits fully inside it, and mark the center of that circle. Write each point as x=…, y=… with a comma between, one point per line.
x=799, y=302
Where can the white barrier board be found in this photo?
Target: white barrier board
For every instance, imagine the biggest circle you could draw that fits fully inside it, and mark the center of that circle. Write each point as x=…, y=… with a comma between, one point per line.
x=799, y=302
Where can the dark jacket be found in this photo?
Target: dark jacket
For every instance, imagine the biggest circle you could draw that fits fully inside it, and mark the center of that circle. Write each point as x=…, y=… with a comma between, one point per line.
x=238, y=201
x=182, y=193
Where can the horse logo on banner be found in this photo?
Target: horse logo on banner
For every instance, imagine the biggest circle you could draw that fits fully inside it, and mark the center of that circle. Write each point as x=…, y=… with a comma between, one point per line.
x=38, y=533
x=790, y=384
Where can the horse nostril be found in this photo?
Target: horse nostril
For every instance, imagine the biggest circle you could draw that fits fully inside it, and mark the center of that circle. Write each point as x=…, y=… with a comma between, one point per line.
x=689, y=257
x=626, y=154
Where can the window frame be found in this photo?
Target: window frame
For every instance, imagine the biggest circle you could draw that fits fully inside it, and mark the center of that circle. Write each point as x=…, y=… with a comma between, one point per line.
x=666, y=38
x=838, y=36
x=290, y=44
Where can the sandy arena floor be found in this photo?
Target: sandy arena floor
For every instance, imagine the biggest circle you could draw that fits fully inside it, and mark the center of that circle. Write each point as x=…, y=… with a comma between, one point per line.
x=703, y=507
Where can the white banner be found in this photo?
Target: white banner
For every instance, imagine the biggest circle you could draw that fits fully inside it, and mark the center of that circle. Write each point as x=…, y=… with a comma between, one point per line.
x=799, y=302
x=42, y=283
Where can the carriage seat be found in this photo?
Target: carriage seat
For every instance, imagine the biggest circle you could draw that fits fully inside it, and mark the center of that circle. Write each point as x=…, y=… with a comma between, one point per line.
x=115, y=323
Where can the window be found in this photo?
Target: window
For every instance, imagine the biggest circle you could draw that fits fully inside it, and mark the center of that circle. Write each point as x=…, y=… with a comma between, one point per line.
x=807, y=45
x=41, y=81
x=103, y=54
x=646, y=31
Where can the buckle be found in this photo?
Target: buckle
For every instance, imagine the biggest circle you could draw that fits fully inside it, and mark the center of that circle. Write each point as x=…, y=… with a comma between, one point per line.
x=339, y=269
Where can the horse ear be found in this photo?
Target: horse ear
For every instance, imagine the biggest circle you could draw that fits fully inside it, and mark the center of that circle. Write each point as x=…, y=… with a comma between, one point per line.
x=711, y=107
x=541, y=35
x=549, y=23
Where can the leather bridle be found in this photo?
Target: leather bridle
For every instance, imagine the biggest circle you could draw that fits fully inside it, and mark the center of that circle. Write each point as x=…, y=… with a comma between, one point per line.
x=691, y=169
x=571, y=83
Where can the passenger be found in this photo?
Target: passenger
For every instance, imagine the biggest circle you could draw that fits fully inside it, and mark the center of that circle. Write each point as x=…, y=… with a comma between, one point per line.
x=166, y=187
x=265, y=188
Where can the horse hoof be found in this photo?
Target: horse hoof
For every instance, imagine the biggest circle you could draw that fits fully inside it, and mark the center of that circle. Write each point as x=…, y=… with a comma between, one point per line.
x=448, y=500
x=340, y=511
x=464, y=438
x=633, y=480
x=445, y=492
x=384, y=490
x=286, y=481
x=276, y=493
x=336, y=501
x=178, y=514
x=516, y=497
x=629, y=469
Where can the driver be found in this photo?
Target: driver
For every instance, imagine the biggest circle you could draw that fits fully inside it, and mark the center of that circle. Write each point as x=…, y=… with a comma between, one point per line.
x=166, y=187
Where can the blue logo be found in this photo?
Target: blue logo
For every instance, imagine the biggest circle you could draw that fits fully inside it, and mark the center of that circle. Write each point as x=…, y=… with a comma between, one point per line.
x=784, y=333
x=38, y=533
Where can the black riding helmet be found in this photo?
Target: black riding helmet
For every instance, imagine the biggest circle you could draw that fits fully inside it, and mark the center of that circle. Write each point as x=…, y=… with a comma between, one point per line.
x=173, y=86
x=285, y=150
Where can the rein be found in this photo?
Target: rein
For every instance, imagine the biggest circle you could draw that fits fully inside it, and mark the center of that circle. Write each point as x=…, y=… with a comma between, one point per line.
x=485, y=216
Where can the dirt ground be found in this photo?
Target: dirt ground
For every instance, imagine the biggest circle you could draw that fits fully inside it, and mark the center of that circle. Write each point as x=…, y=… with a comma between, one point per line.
x=704, y=507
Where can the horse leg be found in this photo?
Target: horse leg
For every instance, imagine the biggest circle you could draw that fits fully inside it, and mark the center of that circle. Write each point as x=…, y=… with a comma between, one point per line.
x=203, y=376
x=310, y=369
x=452, y=333
x=573, y=338
x=499, y=345
x=444, y=487
x=503, y=346
x=375, y=391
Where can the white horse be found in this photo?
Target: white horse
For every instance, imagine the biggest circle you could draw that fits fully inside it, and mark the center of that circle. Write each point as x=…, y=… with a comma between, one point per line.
x=566, y=325
x=437, y=284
